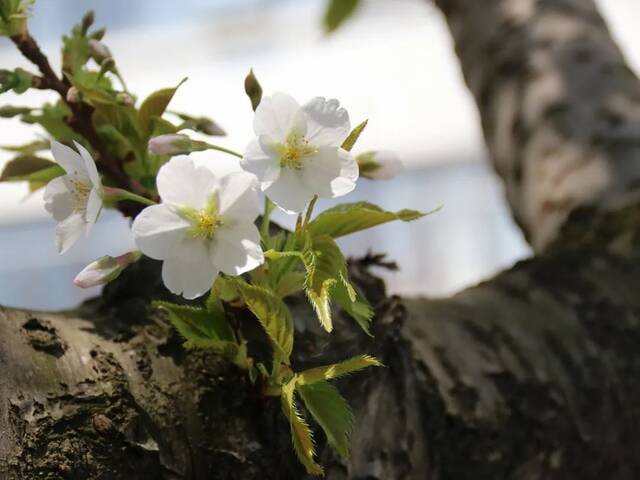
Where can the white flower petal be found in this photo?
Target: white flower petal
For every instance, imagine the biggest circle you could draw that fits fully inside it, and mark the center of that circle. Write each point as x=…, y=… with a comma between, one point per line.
x=189, y=271
x=68, y=159
x=58, y=199
x=236, y=250
x=90, y=165
x=331, y=173
x=94, y=205
x=327, y=123
x=157, y=230
x=277, y=115
x=68, y=231
x=181, y=182
x=261, y=161
x=238, y=197
x=290, y=192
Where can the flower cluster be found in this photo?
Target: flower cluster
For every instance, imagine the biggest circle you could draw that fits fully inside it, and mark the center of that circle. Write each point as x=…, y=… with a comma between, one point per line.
x=203, y=223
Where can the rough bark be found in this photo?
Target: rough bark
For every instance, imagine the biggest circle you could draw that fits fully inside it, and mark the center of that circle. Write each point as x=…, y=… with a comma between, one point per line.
x=532, y=375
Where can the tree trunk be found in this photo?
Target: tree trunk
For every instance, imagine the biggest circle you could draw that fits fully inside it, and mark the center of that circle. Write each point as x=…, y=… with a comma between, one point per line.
x=531, y=375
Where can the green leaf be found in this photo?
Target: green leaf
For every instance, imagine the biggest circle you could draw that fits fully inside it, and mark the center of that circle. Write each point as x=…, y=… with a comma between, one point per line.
x=335, y=370
x=30, y=168
x=348, y=218
x=272, y=313
x=300, y=432
x=331, y=411
x=290, y=283
x=154, y=106
x=337, y=12
x=325, y=263
x=326, y=279
x=253, y=89
x=354, y=303
x=13, y=16
x=53, y=119
x=18, y=80
x=28, y=148
x=199, y=124
x=199, y=327
x=351, y=140
x=10, y=111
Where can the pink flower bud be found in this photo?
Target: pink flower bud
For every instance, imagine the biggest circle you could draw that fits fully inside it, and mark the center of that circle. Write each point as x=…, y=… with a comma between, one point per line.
x=104, y=270
x=73, y=95
x=170, y=144
x=379, y=165
x=98, y=50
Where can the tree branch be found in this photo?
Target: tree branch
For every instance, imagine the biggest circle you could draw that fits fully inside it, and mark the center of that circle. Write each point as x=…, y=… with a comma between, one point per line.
x=81, y=119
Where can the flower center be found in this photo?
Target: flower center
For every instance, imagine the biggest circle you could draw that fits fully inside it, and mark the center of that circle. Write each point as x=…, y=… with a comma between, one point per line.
x=205, y=225
x=294, y=150
x=205, y=222
x=79, y=192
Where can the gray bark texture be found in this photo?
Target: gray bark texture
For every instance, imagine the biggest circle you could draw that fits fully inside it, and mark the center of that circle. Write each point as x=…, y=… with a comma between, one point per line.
x=531, y=375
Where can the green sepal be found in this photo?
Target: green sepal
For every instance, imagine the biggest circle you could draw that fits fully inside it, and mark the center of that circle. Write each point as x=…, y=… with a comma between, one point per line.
x=351, y=140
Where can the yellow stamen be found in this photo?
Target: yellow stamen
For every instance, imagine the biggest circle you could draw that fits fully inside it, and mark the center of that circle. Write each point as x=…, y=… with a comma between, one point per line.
x=294, y=150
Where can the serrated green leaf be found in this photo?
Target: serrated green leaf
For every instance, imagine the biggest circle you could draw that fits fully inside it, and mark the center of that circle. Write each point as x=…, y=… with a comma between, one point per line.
x=272, y=313
x=351, y=140
x=300, y=432
x=337, y=12
x=354, y=303
x=349, y=218
x=253, y=89
x=290, y=283
x=331, y=411
x=154, y=106
x=199, y=327
x=335, y=370
x=325, y=263
x=30, y=168
x=326, y=279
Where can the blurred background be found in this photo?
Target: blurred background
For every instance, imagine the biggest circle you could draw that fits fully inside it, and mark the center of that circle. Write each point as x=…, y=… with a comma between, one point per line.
x=392, y=63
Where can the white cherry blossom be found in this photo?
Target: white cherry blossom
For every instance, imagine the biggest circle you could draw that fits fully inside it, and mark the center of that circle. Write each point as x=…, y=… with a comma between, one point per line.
x=296, y=153
x=74, y=199
x=203, y=226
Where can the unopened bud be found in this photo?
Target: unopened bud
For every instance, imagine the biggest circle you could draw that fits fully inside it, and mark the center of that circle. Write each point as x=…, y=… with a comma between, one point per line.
x=99, y=51
x=105, y=269
x=73, y=95
x=174, y=144
x=379, y=165
x=98, y=34
x=208, y=126
x=87, y=20
x=123, y=98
